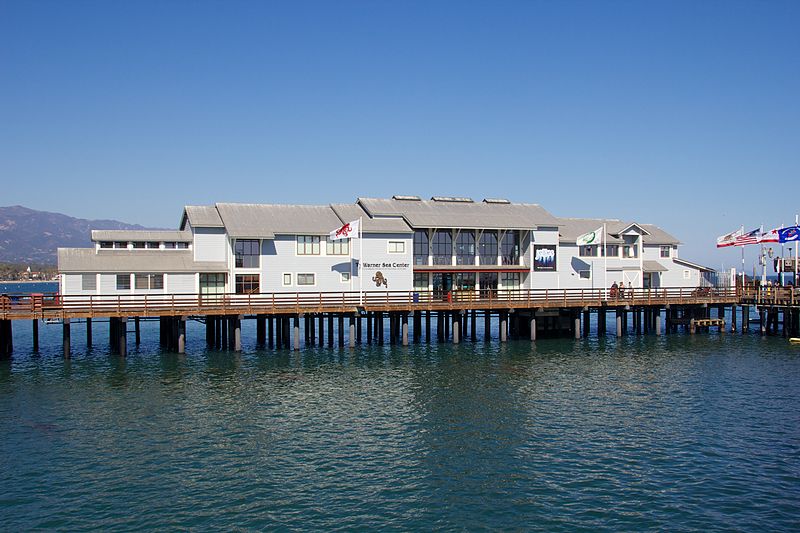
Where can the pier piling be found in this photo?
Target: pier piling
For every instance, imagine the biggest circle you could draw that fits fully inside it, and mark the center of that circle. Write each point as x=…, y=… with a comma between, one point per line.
x=66, y=338
x=35, y=324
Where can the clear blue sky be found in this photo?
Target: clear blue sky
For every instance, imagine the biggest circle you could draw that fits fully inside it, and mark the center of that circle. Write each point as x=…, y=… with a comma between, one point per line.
x=682, y=114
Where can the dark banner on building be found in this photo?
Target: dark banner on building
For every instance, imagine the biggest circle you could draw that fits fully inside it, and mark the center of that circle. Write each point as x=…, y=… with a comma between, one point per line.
x=544, y=257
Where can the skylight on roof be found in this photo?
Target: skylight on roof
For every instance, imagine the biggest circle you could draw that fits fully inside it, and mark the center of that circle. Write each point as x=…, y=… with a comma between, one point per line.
x=452, y=199
x=406, y=198
x=496, y=201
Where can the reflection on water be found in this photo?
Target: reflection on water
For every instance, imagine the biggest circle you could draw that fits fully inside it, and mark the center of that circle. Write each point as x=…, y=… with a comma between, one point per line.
x=672, y=433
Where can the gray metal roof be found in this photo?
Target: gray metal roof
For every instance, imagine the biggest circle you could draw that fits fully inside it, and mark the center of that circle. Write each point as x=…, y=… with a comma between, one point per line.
x=684, y=262
x=264, y=221
x=90, y=260
x=653, y=266
x=572, y=228
x=201, y=216
x=351, y=212
x=141, y=235
x=478, y=215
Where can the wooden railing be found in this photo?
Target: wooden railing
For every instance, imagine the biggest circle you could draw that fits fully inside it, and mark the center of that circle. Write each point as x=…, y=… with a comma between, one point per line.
x=58, y=306
x=781, y=296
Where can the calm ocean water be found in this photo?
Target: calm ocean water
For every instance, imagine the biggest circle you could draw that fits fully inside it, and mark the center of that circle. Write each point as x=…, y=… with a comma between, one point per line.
x=674, y=433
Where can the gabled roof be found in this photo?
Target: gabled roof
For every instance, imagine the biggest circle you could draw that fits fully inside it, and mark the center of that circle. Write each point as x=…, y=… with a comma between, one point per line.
x=460, y=214
x=201, y=216
x=141, y=235
x=88, y=260
x=571, y=228
x=684, y=262
x=264, y=221
x=351, y=212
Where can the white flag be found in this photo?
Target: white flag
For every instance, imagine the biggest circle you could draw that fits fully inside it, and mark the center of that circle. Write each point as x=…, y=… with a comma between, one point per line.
x=345, y=232
x=593, y=237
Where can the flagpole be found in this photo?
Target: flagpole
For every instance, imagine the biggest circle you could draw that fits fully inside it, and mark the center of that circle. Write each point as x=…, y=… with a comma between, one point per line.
x=604, y=244
x=744, y=279
x=360, y=260
x=796, y=244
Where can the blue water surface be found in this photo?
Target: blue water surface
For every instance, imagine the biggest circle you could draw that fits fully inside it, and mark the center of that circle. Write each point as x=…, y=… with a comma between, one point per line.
x=672, y=433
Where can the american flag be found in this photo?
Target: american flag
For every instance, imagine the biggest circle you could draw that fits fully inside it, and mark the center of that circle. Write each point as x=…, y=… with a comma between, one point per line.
x=751, y=237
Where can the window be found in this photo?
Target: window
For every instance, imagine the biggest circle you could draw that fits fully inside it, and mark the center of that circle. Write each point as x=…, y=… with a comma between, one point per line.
x=421, y=247
x=588, y=251
x=212, y=283
x=307, y=245
x=183, y=245
x=465, y=248
x=397, y=247
x=509, y=280
x=421, y=281
x=306, y=280
x=338, y=247
x=487, y=249
x=665, y=251
x=630, y=251
x=612, y=250
x=247, y=253
x=246, y=283
x=169, y=245
x=344, y=277
x=88, y=282
x=585, y=274
x=123, y=282
x=152, y=245
x=149, y=281
x=121, y=245
x=442, y=246
x=687, y=274
x=138, y=245
x=509, y=248
x=106, y=244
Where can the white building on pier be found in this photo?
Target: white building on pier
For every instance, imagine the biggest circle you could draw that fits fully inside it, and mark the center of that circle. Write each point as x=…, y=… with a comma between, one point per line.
x=442, y=245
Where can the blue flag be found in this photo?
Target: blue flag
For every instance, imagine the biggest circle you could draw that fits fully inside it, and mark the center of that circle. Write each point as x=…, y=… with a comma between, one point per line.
x=789, y=234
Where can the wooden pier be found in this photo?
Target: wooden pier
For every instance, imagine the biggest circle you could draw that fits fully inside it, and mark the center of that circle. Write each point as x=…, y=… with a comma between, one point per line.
x=408, y=315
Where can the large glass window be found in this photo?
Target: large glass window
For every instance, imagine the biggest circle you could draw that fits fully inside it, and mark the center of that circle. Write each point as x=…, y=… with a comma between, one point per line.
x=247, y=283
x=487, y=249
x=510, y=280
x=106, y=244
x=421, y=247
x=612, y=250
x=465, y=248
x=421, y=281
x=509, y=248
x=307, y=245
x=588, y=251
x=247, y=253
x=442, y=247
x=488, y=281
x=337, y=247
x=665, y=251
x=464, y=281
x=630, y=251
x=212, y=283
x=123, y=282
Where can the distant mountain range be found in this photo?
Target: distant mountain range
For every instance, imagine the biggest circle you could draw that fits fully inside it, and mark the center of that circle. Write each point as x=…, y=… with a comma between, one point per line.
x=30, y=236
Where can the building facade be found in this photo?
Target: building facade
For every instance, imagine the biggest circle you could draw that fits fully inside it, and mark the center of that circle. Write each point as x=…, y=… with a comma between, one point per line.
x=445, y=245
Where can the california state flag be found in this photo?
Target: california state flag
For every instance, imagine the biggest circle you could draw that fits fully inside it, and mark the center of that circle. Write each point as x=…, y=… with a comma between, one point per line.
x=345, y=232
